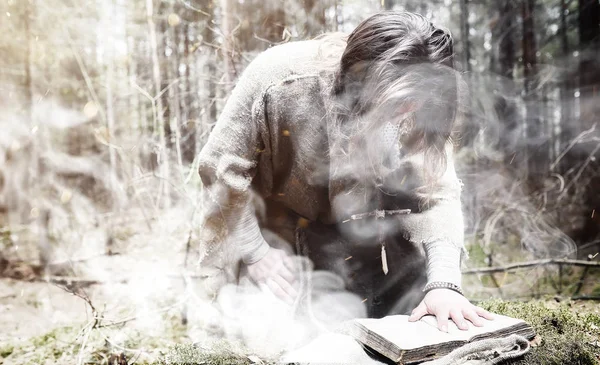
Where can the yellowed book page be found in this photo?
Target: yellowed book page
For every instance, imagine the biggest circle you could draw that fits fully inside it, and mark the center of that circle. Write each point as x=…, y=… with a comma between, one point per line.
x=497, y=323
x=410, y=335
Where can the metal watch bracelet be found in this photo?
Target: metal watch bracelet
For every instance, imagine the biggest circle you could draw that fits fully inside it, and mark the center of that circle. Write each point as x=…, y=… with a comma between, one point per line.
x=442, y=285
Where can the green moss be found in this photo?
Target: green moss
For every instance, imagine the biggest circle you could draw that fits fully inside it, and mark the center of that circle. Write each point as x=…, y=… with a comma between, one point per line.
x=477, y=256
x=567, y=337
x=596, y=289
x=52, y=345
x=567, y=333
x=5, y=239
x=5, y=351
x=220, y=353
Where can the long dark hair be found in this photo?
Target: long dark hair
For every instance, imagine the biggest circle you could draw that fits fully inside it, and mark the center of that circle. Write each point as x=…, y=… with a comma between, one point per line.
x=396, y=66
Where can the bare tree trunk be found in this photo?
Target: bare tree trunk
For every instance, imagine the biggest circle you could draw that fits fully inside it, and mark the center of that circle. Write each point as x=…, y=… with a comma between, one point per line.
x=535, y=160
x=164, y=191
x=315, y=16
x=566, y=86
x=43, y=244
x=110, y=112
x=164, y=30
x=189, y=119
x=470, y=127
x=506, y=46
x=209, y=105
x=388, y=4
x=135, y=124
x=176, y=121
x=339, y=16
x=589, y=99
x=464, y=35
x=228, y=45
x=503, y=37
x=589, y=64
x=145, y=54
x=529, y=43
x=28, y=64
x=274, y=23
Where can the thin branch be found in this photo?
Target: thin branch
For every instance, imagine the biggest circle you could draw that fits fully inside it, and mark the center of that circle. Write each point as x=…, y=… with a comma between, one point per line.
x=57, y=266
x=586, y=297
x=65, y=282
x=576, y=140
x=527, y=297
x=80, y=359
x=590, y=158
x=85, y=74
x=191, y=7
x=133, y=318
x=97, y=318
x=522, y=265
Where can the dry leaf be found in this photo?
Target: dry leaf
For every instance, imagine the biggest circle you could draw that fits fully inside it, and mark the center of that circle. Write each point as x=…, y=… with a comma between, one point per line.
x=90, y=109
x=66, y=196
x=173, y=19
x=536, y=341
x=34, y=213
x=255, y=359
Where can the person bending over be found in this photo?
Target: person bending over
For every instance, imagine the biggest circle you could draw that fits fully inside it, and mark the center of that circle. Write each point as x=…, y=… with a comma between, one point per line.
x=347, y=140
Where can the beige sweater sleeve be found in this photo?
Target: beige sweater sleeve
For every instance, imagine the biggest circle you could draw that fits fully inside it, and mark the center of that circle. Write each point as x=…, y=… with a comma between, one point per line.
x=228, y=162
x=439, y=227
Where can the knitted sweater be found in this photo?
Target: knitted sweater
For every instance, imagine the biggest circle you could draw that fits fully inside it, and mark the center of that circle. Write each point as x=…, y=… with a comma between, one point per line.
x=273, y=137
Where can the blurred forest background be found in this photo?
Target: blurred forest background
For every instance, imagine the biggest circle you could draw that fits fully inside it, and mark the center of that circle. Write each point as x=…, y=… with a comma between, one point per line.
x=106, y=103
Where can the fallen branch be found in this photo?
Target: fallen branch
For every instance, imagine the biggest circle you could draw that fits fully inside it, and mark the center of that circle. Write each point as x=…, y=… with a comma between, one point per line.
x=65, y=280
x=81, y=282
x=84, y=282
x=522, y=265
x=586, y=297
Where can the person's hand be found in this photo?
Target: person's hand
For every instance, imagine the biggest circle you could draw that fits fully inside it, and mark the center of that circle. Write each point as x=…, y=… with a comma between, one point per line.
x=446, y=303
x=276, y=272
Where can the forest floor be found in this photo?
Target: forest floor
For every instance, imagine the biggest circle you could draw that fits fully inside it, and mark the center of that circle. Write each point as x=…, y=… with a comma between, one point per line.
x=132, y=302
x=140, y=309
x=44, y=324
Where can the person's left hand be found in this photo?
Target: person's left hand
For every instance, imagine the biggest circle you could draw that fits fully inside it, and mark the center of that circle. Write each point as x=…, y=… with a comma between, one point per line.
x=446, y=303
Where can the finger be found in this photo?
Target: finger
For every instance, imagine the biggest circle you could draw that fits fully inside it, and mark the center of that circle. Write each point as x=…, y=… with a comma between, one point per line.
x=285, y=273
x=418, y=312
x=473, y=317
x=276, y=289
x=442, y=320
x=458, y=318
x=257, y=275
x=483, y=313
x=290, y=263
x=276, y=268
x=286, y=286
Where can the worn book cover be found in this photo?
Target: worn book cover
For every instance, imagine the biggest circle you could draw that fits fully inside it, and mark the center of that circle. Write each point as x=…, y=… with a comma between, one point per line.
x=407, y=342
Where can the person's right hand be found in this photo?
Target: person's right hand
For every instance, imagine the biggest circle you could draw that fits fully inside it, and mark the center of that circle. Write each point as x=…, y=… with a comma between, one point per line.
x=276, y=272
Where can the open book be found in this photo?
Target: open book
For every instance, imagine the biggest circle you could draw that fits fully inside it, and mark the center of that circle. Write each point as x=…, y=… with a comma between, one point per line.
x=406, y=342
